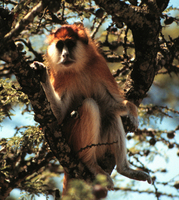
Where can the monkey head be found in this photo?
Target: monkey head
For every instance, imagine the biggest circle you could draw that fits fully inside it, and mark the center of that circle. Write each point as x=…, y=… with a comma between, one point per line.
x=67, y=46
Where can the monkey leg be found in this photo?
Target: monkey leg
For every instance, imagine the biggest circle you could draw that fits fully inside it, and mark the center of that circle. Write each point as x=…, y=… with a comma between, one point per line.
x=85, y=136
x=121, y=158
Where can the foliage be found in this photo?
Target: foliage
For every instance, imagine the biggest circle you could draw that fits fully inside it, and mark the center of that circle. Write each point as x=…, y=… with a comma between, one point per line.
x=79, y=190
x=11, y=95
x=26, y=161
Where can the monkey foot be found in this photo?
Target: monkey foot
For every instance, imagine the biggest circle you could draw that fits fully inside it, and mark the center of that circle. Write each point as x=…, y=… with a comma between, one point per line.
x=136, y=175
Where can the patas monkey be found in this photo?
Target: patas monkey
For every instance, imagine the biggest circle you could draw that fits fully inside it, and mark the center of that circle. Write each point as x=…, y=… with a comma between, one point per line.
x=78, y=78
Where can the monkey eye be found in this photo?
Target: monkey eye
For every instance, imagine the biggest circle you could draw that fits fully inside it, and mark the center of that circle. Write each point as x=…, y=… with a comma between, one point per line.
x=70, y=43
x=60, y=45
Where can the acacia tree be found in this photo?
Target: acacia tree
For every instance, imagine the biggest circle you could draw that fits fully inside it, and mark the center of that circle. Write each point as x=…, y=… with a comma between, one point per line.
x=131, y=36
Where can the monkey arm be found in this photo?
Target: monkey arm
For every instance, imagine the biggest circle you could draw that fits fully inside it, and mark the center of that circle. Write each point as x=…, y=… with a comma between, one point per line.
x=57, y=105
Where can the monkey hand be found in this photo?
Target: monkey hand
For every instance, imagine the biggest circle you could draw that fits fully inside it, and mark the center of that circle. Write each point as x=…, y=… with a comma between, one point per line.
x=133, y=120
x=40, y=70
x=130, y=123
x=129, y=116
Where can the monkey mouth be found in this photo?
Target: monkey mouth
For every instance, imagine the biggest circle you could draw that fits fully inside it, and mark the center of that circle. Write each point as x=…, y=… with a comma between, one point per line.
x=66, y=62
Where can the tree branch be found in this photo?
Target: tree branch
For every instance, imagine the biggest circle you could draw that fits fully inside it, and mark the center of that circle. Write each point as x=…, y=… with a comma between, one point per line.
x=31, y=86
x=25, y=21
x=145, y=27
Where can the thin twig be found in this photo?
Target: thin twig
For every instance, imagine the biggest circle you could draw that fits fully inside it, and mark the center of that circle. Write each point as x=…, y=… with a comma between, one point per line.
x=25, y=21
x=97, y=28
x=94, y=145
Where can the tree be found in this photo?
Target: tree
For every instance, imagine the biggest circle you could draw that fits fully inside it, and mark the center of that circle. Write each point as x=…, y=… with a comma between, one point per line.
x=31, y=156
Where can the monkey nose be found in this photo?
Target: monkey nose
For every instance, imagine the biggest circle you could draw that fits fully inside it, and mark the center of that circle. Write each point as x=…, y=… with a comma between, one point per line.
x=65, y=55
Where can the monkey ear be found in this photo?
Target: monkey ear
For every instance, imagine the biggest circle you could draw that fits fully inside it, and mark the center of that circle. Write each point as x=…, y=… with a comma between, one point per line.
x=82, y=32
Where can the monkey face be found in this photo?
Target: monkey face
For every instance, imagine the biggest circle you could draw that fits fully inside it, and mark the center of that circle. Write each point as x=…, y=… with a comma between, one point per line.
x=61, y=52
x=68, y=53
x=66, y=48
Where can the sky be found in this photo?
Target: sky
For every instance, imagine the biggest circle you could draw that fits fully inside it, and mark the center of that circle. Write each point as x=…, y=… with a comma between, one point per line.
x=7, y=130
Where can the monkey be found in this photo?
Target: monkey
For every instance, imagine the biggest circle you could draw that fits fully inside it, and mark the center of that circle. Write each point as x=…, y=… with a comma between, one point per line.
x=76, y=77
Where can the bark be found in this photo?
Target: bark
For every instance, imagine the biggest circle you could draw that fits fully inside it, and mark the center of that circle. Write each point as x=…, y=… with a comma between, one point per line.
x=31, y=86
x=144, y=22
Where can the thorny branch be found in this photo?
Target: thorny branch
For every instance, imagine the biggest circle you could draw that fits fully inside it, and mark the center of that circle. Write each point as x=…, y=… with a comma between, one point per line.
x=97, y=27
x=28, y=44
x=25, y=21
x=138, y=19
x=141, y=22
x=158, y=194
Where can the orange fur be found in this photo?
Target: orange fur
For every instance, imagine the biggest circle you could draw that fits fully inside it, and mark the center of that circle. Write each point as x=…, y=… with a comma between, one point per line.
x=86, y=85
x=65, y=182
